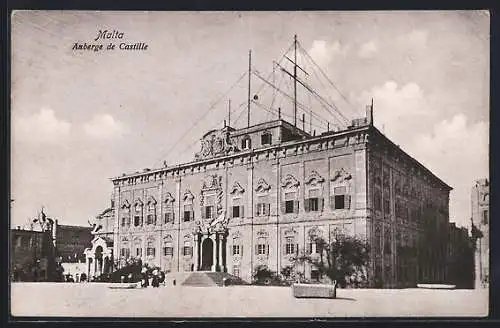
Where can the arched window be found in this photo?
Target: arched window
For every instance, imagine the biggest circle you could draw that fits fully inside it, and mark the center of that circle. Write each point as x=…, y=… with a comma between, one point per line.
x=168, y=209
x=246, y=142
x=125, y=219
x=138, y=247
x=187, y=249
x=125, y=248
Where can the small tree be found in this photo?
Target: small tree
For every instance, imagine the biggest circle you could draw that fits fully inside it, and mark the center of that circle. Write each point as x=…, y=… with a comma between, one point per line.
x=343, y=258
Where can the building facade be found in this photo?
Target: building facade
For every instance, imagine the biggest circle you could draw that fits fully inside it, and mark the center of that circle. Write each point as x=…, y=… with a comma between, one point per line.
x=460, y=271
x=29, y=254
x=480, y=204
x=255, y=196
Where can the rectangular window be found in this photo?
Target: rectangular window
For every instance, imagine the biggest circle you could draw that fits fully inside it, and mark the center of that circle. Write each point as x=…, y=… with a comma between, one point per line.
x=124, y=221
x=289, y=206
x=310, y=248
x=289, y=245
x=138, y=251
x=151, y=251
x=266, y=139
x=377, y=200
x=169, y=217
x=151, y=219
x=125, y=252
x=261, y=249
x=485, y=217
x=209, y=212
x=168, y=251
x=314, y=204
x=188, y=212
x=236, y=211
x=137, y=220
x=187, y=251
x=236, y=250
x=387, y=206
x=263, y=209
x=339, y=202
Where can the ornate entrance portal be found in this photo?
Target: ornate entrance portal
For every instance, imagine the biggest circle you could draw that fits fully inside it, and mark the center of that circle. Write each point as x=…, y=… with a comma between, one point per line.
x=207, y=259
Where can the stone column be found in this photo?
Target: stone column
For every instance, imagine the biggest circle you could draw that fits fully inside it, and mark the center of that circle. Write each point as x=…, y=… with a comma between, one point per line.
x=221, y=264
x=195, y=251
x=214, y=256
x=203, y=237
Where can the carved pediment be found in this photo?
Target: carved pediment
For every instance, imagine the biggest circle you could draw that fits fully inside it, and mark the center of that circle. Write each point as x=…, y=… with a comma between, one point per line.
x=125, y=204
x=289, y=181
x=314, y=178
x=315, y=232
x=151, y=200
x=215, y=143
x=138, y=202
x=236, y=235
x=237, y=188
x=212, y=182
x=188, y=196
x=341, y=175
x=290, y=232
x=262, y=234
x=262, y=186
x=169, y=198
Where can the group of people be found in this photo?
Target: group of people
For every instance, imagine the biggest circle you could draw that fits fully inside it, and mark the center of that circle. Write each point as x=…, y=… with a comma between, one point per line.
x=155, y=278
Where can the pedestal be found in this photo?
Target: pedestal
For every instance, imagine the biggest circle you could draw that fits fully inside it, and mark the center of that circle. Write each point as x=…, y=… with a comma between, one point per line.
x=195, y=255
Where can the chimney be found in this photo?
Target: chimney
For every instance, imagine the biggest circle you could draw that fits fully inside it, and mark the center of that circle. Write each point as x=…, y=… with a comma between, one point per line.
x=369, y=114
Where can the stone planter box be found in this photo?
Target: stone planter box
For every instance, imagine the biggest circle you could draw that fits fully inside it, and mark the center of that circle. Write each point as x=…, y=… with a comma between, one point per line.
x=314, y=291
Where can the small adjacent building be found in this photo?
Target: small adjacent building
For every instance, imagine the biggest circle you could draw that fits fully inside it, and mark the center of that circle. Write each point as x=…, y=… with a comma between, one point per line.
x=29, y=254
x=480, y=204
x=460, y=257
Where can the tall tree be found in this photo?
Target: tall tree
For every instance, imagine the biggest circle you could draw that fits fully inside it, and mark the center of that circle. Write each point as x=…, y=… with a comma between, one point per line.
x=344, y=257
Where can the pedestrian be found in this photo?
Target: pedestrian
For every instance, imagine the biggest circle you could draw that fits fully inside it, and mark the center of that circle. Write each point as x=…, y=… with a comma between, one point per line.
x=155, y=281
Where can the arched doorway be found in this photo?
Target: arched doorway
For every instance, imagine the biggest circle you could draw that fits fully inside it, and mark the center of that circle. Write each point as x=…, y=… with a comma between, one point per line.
x=207, y=258
x=98, y=262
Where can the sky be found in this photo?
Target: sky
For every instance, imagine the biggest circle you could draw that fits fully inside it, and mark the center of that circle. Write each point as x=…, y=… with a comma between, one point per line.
x=82, y=117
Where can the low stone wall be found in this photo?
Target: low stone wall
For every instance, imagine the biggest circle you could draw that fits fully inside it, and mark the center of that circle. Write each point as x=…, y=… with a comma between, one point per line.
x=314, y=291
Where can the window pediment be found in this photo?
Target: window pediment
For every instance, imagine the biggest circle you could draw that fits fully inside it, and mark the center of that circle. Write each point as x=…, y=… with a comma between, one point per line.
x=262, y=186
x=125, y=204
x=188, y=196
x=289, y=181
x=314, y=178
x=212, y=182
x=237, y=188
x=151, y=200
x=169, y=198
x=341, y=175
x=262, y=234
x=138, y=202
x=290, y=232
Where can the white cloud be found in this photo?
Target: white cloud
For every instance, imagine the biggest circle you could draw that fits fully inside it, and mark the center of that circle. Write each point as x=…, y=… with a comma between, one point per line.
x=398, y=107
x=103, y=126
x=368, y=49
x=43, y=127
x=324, y=52
x=457, y=152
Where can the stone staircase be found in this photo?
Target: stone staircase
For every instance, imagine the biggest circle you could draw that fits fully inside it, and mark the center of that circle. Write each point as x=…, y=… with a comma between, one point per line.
x=208, y=279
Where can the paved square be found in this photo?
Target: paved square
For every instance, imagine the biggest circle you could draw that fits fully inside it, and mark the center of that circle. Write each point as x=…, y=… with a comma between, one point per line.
x=98, y=300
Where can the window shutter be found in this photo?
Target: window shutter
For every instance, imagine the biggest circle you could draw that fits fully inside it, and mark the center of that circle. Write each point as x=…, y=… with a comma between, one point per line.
x=296, y=248
x=347, y=201
x=191, y=251
x=203, y=212
x=173, y=217
x=332, y=203
x=192, y=215
x=267, y=249
x=242, y=211
x=256, y=249
x=321, y=204
x=283, y=208
x=241, y=250
x=296, y=206
x=256, y=210
x=306, y=205
x=267, y=209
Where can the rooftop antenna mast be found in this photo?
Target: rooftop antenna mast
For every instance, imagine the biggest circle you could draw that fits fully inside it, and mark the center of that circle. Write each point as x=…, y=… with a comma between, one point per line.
x=295, y=81
x=249, y=81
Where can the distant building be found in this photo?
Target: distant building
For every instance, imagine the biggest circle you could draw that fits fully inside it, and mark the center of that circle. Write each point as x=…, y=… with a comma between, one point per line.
x=29, y=255
x=34, y=254
x=460, y=270
x=480, y=201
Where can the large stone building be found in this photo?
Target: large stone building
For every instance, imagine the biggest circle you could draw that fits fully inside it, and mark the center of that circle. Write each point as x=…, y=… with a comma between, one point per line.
x=255, y=195
x=480, y=203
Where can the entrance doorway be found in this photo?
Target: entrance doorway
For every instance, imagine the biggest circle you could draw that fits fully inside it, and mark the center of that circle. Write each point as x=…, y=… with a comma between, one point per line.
x=207, y=259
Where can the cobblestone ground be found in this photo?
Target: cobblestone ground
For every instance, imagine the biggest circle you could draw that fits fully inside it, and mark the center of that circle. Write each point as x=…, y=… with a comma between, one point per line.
x=98, y=300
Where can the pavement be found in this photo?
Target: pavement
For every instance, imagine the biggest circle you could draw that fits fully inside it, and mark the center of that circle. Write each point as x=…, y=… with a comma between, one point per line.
x=98, y=300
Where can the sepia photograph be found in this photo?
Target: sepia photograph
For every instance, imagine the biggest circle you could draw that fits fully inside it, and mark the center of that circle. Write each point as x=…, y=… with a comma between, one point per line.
x=297, y=164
